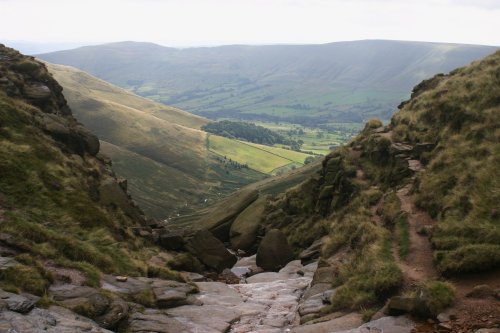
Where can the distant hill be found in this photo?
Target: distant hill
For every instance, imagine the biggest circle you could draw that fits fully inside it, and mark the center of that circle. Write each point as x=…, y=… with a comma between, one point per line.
x=171, y=165
x=306, y=84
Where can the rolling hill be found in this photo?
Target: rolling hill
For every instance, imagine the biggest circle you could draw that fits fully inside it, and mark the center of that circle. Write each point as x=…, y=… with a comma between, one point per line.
x=171, y=165
x=305, y=84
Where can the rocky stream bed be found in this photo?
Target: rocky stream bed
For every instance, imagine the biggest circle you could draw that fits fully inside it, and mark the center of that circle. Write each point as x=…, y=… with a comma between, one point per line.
x=267, y=302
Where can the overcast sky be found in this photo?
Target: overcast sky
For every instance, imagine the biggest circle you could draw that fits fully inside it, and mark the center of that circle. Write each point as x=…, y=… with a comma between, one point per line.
x=216, y=22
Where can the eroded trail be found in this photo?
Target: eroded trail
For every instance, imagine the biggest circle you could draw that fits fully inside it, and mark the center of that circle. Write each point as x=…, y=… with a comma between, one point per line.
x=418, y=266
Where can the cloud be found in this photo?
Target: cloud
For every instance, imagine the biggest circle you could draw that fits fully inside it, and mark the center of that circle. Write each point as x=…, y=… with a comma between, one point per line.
x=211, y=22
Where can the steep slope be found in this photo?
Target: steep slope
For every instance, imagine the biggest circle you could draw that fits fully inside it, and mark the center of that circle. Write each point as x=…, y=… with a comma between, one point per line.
x=308, y=84
x=64, y=214
x=406, y=209
x=172, y=166
x=73, y=80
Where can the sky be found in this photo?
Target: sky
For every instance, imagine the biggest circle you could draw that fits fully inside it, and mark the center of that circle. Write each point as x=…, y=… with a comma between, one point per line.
x=183, y=23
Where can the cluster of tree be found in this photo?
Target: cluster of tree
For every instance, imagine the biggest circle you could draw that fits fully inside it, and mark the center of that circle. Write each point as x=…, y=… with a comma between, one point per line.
x=230, y=164
x=248, y=132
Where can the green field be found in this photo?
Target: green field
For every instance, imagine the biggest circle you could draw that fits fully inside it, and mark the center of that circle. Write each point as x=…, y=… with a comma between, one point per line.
x=291, y=155
x=261, y=158
x=316, y=140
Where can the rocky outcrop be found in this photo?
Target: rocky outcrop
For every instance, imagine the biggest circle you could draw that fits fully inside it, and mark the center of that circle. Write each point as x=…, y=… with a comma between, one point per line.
x=274, y=251
x=55, y=319
x=17, y=303
x=151, y=292
x=210, y=251
x=107, y=310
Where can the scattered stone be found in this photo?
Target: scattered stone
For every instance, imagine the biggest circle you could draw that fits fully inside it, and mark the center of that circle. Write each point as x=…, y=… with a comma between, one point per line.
x=274, y=251
x=399, y=147
x=444, y=326
x=446, y=316
x=415, y=165
x=121, y=278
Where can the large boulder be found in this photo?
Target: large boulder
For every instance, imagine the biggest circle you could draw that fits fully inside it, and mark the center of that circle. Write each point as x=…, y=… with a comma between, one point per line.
x=219, y=219
x=171, y=239
x=210, y=251
x=243, y=232
x=274, y=251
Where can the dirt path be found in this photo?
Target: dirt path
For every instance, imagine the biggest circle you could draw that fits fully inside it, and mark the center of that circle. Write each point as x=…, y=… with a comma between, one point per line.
x=418, y=266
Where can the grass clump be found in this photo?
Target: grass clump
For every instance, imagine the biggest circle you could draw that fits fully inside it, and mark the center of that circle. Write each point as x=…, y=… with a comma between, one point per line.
x=86, y=310
x=439, y=295
x=403, y=233
x=391, y=209
x=164, y=273
x=145, y=298
x=470, y=258
x=25, y=278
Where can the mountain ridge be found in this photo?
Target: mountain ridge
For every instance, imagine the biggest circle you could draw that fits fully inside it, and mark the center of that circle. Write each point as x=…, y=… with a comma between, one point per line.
x=316, y=84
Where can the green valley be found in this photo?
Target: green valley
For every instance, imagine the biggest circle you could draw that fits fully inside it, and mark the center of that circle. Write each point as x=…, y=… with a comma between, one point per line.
x=171, y=165
x=311, y=85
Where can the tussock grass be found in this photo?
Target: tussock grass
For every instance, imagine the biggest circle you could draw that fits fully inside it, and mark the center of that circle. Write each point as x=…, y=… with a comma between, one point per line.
x=439, y=295
x=403, y=234
x=369, y=275
x=25, y=278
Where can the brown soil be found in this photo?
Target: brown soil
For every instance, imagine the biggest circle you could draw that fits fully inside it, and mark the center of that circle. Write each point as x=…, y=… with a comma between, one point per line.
x=418, y=266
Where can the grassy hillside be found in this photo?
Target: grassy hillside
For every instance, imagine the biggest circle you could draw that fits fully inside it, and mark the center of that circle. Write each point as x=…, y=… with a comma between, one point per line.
x=305, y=84
x=73, y=80
x=460, y=188
x=171, y=165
